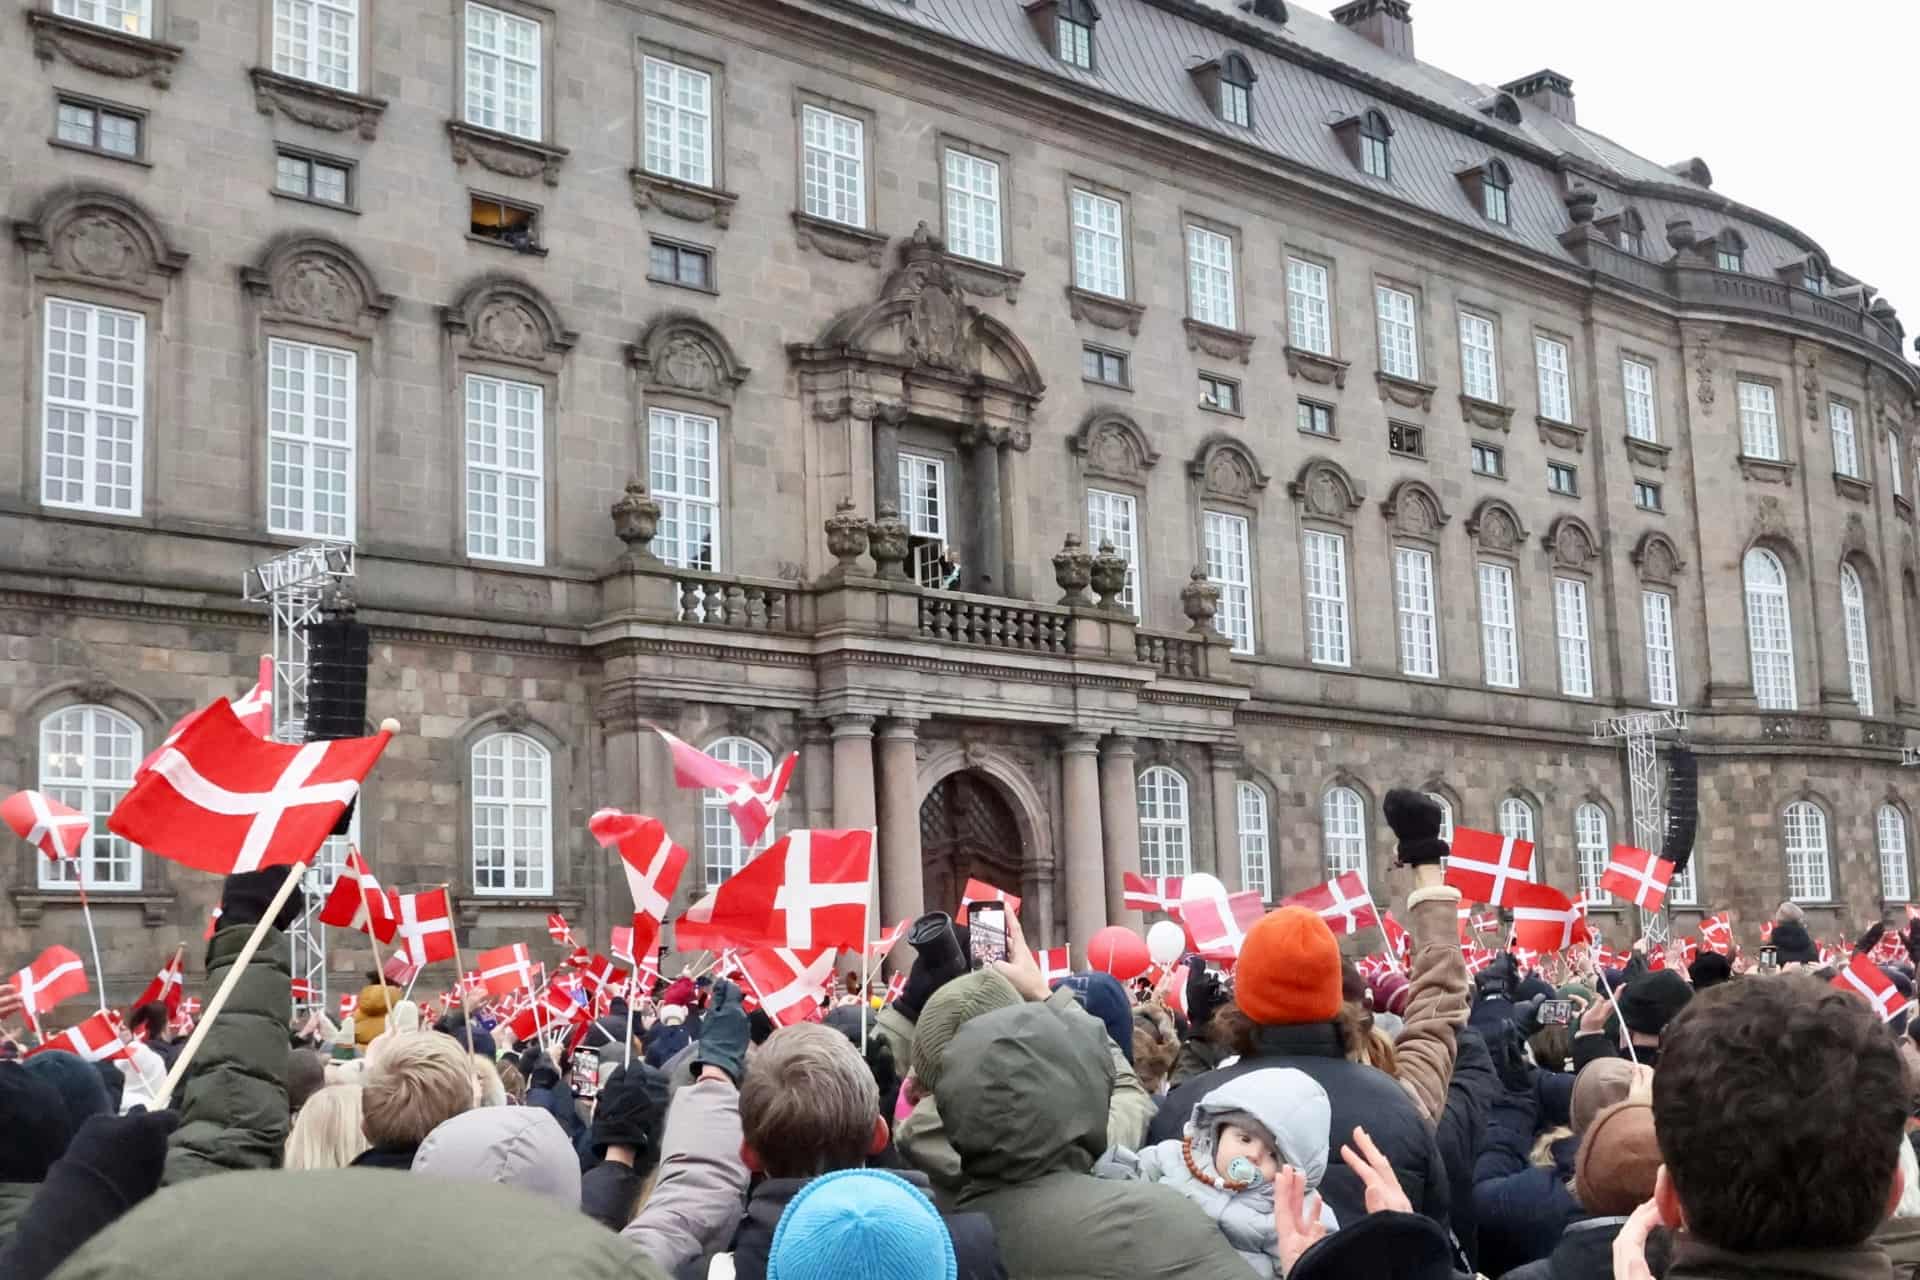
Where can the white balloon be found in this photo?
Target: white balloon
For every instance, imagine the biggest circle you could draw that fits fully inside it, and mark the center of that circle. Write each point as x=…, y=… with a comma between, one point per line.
x=1165, y=941
x=1200, y=887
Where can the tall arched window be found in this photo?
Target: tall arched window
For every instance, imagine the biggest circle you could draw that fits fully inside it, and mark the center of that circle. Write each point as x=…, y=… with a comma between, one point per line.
x=1896, y=884
x=1163, y=822
x=1376, y=137
x=1769, y=630
x=1809, y=873
x=1236, y=90
x=722, y=851
x=1853, y=604
x=1343, y=814
x=512, y=816
x=1495, y=181
x=87, y=758
x=1591, y=848
x=1731, y=253
x=1516, y=820
x=1633, y=233
x=1446, y=815
x=1256, y=866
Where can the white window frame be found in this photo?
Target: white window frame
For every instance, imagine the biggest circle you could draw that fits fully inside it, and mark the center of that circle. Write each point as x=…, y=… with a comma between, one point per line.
x=1309, y=306
x=1228, y=544
x=1637, y=389
x=318, y=40
x=1846, y=441
x=1323, y=569
x=1656, y=619
x=1343, y=826
x=1446, y=815
x=1573, y=633
x=1683, y=890
x=1073, y=42
x=134, y=17
x=1479, y=357
x=1099, y=244
x=833, y=166
x=722, y=852
x=1165, y=834
x=1516, y=818
x=1896, y=872
x=1210, y=298
x=924, y=500
x=87, y=757
x=1114, y=517
x=1809, y=864
x=513, y=806
x=1255, y=838
x=688, y=500
x=1236, y=103
x=506, y=470
x=1499, y=626
x=497, y=93
x=1896, y=472
x=972, y=186
x=1853, y=607
x=1759, y=420
x=1399, y=320
x=1417, y=609
x=295, y=447
x=112, y=397
x=677, y=132
x=1769, y=630
x=1553, y=363
x=1592, y=848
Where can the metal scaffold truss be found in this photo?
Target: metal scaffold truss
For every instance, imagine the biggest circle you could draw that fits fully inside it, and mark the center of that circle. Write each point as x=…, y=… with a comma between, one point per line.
x=1641, y=732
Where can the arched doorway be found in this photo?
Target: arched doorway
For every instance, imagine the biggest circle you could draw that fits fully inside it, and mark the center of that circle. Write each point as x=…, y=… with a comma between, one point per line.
x=967, y=829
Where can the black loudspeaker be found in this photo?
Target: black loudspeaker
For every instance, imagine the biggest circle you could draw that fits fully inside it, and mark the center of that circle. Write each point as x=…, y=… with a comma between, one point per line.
x=1683, y=807
x=337, y=658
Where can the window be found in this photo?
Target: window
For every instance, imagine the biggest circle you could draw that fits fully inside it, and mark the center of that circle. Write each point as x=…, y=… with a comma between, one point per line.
x=1769, y=631
x=1636, y=378
x=683, y=472
x=1516, y=821
x=87, y=758
x=1210, y=277
x=1488, y=460
x=1893, y=465
x=1097, y=364
x=1229, y=565
x=503, y=71
x=1309, y=312
x=1499, y=642
x=1812, y=278
x=1479, y=367
x=1846, y=448
x=1656, y=619
x=1556, y=387
x=1895, y=883
x=923, y=505
x=1324, y=562
x=1646, y=496
x=1343, y=817
x=835, y=166
x=1684, y=889
x=669, y=262
x=98, y=128
x=1404, y=437
x=135, y=17
x=1163, y=822
x=512, y=816
x=1315, y=419
x=516, y=226
x=1759, y=423
x=1222, y=394
x=722, y=852
x=1073, y=39
x=973, y=206
x=1808, y=874
x=505, y=491
x=1113, y=517
x=1098, y=263
x=1399, y=335
x=94, y=411
x=1446, y=815
x=1256, y=868
x=1731, y=259
x=311, y=406
x=1574, y=635
x=1563, y=478
x=1413, y=602
x=1494, y=184
x=1375, y=138
x=1633, y=233
x=317, y=40
x=1236, y=103
x=1591, y=850
x=1853, y=603
x=679, y=122
x=322, y=181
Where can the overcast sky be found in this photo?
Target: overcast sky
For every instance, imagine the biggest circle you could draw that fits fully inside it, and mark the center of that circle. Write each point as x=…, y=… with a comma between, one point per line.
x=1800, y=110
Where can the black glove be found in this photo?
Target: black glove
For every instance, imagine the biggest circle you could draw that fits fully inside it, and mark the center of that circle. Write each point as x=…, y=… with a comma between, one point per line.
x=111, y=1165
x=1204, y=993
x=245, y=897
x=723, y=1033
x=1526, y=1015
x=1869, y=939
x=941, y=958
x=1415, y=819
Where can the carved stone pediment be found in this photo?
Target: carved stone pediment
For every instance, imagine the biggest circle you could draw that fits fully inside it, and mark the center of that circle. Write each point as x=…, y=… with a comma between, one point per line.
x=1485, y=414
x=504, y=153
x=683, y=200
x=1766, y=471
x=1656, y=559
x=1221, y=344
x=1414, y=510
x=1113, y=447
x=680, y=354
x=501, y=318
x=1311, y=366
x=1852, y=489
x=102, y=49
x=839, y=241
x=1408, y=393
x=1325, y=491
x=316, y=281
x=1108, y=313
x=1571, y=545
x=1645, y=453
x=1227, y=469
x=983, y=279
x=319, y=105
x=99, y=236
x=1495, y=527
x=1561, y=435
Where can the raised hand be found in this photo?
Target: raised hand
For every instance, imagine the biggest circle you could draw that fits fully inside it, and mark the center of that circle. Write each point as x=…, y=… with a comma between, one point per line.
x=1296, y=1216
x=1630, y=1246
x=1376, y=1171
x=1020, y=968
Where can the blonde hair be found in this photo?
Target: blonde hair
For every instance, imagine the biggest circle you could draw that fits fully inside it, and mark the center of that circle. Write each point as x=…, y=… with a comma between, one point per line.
x=488, y=1089
x=415, y=1083
x=326, y=1134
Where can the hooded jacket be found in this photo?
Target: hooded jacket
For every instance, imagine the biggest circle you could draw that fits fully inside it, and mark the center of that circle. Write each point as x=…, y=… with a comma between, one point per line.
x=514, y=1146
x=1585, y=1252
x=1024, y=1093
x=370, y=1015
x=974, y=1248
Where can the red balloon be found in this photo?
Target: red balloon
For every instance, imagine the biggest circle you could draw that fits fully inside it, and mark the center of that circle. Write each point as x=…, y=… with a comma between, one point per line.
x=1119, y=951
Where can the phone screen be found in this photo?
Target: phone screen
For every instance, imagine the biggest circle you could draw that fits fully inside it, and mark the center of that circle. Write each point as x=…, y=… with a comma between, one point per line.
x=584, y=1075
x=1556, y=1013
x=987, y=932
x=1769, y=959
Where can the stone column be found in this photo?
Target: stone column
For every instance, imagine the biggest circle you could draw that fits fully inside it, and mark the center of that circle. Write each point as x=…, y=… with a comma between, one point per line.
x=816, y=775
x=1086, y=861
x=886, y=462
x=1119, y=824
x=1225, y=758
x=990, y=573
x=852, y=771
x=900, y=871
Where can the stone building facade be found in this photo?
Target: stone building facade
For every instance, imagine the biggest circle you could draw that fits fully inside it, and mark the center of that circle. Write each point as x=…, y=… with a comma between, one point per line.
x=773, y=371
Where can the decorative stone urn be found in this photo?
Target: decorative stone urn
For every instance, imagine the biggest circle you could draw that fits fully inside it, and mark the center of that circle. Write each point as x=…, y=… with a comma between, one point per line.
x=1109, y=576
x=1073, y=570
x=846, y=536
x=1581, y=203
x=887, y=542
x=1201, y=600
x=636, y=517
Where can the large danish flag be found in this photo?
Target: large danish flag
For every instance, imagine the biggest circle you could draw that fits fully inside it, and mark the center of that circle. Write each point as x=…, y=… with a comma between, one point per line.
x=1637, y=875
x=55, y=975
x=788, y=982
x=1150, y=893
x=254, y=709
x=1545, y=919
x=1864, y=978
x=653, y=863
x=807, y=890
x=95, y=1040
x=1343, y=902
x=49, y=826
x=357, y=901
x=753, y=801
x=505, y=970
x=425, y=928
x=222, y=800
x=1218, y=921
x=166, y=987
x=1486, y=867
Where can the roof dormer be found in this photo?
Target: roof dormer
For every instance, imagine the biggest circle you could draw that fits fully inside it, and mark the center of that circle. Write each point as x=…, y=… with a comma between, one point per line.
x=1066, y=27
x=1227, y=84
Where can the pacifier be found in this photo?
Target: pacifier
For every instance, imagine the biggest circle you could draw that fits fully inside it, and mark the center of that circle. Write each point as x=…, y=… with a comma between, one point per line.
x=1241, y=1169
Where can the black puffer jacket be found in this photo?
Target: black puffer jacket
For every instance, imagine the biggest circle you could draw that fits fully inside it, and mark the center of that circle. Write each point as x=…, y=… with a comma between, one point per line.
x=1462, y=1132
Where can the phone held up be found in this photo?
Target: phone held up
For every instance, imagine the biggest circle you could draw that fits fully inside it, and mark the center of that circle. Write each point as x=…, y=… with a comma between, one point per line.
x=987, y=932
x=1556, y=1013
x=1769, y=959
x=583, y=1077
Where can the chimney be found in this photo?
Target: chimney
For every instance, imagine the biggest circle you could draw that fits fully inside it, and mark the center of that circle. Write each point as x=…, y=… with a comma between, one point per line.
x=1388, y=23
x=1548, y=90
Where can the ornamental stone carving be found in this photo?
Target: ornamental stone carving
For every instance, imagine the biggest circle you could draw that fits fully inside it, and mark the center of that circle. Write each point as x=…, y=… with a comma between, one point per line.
x=839, y=241
x=1113, y=446
x=1225, y=469
x=680, y=354
x=317, y=281
x=505, y=153
x=1769, y=519
x=681, y=200
x=311, y=103
x=509, y=329
x=1311, y=366
x=846, y=536
x=102, y=49
x=100, y=235
x=1810, y=384
x=500, y=317
x=939, y=326
x=1495, y=527
x=1571, y=544
x=1325, y=491
x=99, y=245
x=1656, y=559
x=1413, y=510
x=314, y=287
x=1703, y=374
x=1073, y=571
x=1108, y=313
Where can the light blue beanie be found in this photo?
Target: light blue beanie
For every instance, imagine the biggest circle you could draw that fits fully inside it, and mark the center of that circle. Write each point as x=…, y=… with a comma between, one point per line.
x=861, y=1222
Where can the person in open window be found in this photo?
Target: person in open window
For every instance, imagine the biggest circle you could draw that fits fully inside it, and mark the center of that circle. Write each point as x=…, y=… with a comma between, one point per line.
x=947, y=569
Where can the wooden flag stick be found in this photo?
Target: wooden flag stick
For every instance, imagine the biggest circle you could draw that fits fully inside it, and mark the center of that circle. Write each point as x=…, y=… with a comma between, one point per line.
x=93, y=941
x=379, y=966
x=219, y=1000
x=459, y=980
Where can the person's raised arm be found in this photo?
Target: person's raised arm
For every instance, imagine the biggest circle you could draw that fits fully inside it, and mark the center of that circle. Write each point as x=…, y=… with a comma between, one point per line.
x=1437, y=1000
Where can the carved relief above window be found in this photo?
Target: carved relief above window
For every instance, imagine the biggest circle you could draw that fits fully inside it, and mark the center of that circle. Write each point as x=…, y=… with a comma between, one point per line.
x=99, y=237
x=102, y=49
x=311, y=280
x=1113, y=447
x=680, y=354
x=1413, y=510
x=1656, y=559
x=1494, y=527
x=1324, y=491
x=1227, y=470
x=319, y=105
x=501, y=318
x=1571, y=545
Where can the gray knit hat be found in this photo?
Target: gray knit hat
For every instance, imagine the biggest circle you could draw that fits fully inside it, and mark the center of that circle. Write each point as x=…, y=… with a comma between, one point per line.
x=950, y=1008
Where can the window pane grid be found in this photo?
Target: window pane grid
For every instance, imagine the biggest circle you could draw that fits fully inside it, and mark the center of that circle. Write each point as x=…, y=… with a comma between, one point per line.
x=1769, y=632
x=94, y=408
x=1479, y=368
x=1162, y=797
x=1075, y=43
x=682, y=470
x=317, y=40
x=1846, y=449
x=1229, y=565
x=512, y=816
x=722, y=850
x=1516, y=820
x=1309, y=319
x=1210, y=277
x=923, y=495
x=1895, y=881
x=135, y=17
x=503, y=71
x=505, y=493
x=1637, y=379
x=1499, y=647
x=973, y=207
x=1112, y=517
x=1256, y=868
x=1808, y=876
x=1099, y=266
x=1234, y=103
x=1759, y=423
x=1591, y=849
x=310, y=435
x=1556, y=388
x=835, y=168
x=87, y=758
x=1895, y=471
x=1399, y=338
x=1853, y=600
x=1572, y=632
x=1343, y=819
x=1656, y=613
x=679, y=121
x=1324, y=561
x=1413, y=600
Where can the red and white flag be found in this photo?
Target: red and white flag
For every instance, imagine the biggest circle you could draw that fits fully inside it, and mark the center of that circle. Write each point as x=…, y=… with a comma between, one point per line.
x=1766, y=929
x=1173, y=989
x=222, y=800
x=600, y=976
x=788, y=983
x=579, y=958
x=896, y=987
x=424, y=928
x=1399, y=941
x=1638, y=876
x=808, y=890
x=55, y=975
x=1485, y=866
x=981, y=891
x=399, y=970
x=559, y=930
x=1218, y=921
x=1608, y=958
x=213, y=925
x=1527, y=958
x=51, y=827
x=1545, y=919
x=1865, y=979
x=1155, y=893
x=753, y=801
x=1343, y=902
x=302, y=989
x=1891, y=949
x=621, y=946
x=1717, y=932
x=348, y=1003
x=1478, y=957
x=95, y=1040
x=506, y=969
x=552, y=1010
x=1055, y=964
x=166, y=987
x=653, y=864
x=357, y=901
x=888, y=939
x=253, y=709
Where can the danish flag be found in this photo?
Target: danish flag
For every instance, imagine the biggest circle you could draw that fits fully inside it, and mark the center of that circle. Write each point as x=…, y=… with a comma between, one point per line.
x=621, y=944
x=1054, y=964
x=1891, y=949
x=1864, y=978
x=1637, y=875
x=95, y=1040
x=301, y=989
x=753, y=801
x=254, y=709
x=1766, y=929
x=166, y=987
x=888, y=938
x=425, y=928
x=1486, y=867
x=559, y=930
x=653, y=863
x=553, y=1008
x=43, y=822
x=399, y=970
x=896, y=987
x=221, y=800
x=1399, y=941
x=1156, y=893
x=506, y=969
x=55, y=975
x=981, y=891
x=788, y=983
x=806, y=891
x=1343, y=902
x=1478, y=957
x=1717, y=932
x=579, y=958
x=600, y=977
x=182, y=1022
x=357, y=901
x=348, y=1003
x=1218, y=921
x=1173, y=989
x=1544, y=919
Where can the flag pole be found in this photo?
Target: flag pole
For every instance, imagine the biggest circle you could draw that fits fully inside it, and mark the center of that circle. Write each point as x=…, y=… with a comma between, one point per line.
x=1600, y=974
x=632, y=999
x=366, y=909
x=459, y=980
x=240, y=963
x=93, y=941
x=866, y=928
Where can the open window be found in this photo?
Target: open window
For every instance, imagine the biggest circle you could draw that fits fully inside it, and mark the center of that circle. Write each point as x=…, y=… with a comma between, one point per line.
x=502, y=222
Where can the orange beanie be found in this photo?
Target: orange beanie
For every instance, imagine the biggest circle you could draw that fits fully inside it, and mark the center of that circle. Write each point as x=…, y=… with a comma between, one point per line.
x=1289, y=970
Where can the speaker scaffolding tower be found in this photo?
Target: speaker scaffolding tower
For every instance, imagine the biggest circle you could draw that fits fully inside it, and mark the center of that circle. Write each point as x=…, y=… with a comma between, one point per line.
x=1641, y=731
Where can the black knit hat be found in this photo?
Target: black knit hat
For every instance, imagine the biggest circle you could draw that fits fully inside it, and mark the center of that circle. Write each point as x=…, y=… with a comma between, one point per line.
x=632, y=1112
x=1650, y=1003
x=1793, y=944
x=1709, y=969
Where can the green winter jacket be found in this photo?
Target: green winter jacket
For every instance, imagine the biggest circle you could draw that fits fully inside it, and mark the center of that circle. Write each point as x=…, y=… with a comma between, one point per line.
x=1024, y=1094
x=14, y=1199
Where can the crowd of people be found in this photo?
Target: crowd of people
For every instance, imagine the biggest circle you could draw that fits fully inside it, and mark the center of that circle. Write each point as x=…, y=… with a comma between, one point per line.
x=1292, y=1118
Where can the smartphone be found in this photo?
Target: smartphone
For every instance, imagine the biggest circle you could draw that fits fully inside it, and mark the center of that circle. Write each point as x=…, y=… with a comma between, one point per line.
x=584, y=1075
x=1556, y=1013
x=987, y=932
x=1769, y=960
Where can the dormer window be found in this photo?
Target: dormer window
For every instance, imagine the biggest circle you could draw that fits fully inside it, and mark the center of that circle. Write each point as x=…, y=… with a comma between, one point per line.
x=1633, y=233
x=1073, y=32
x=1236, y=90
x=1375, y=138
x=1730, y=251
x=1812, y=278
x=1495, y=181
